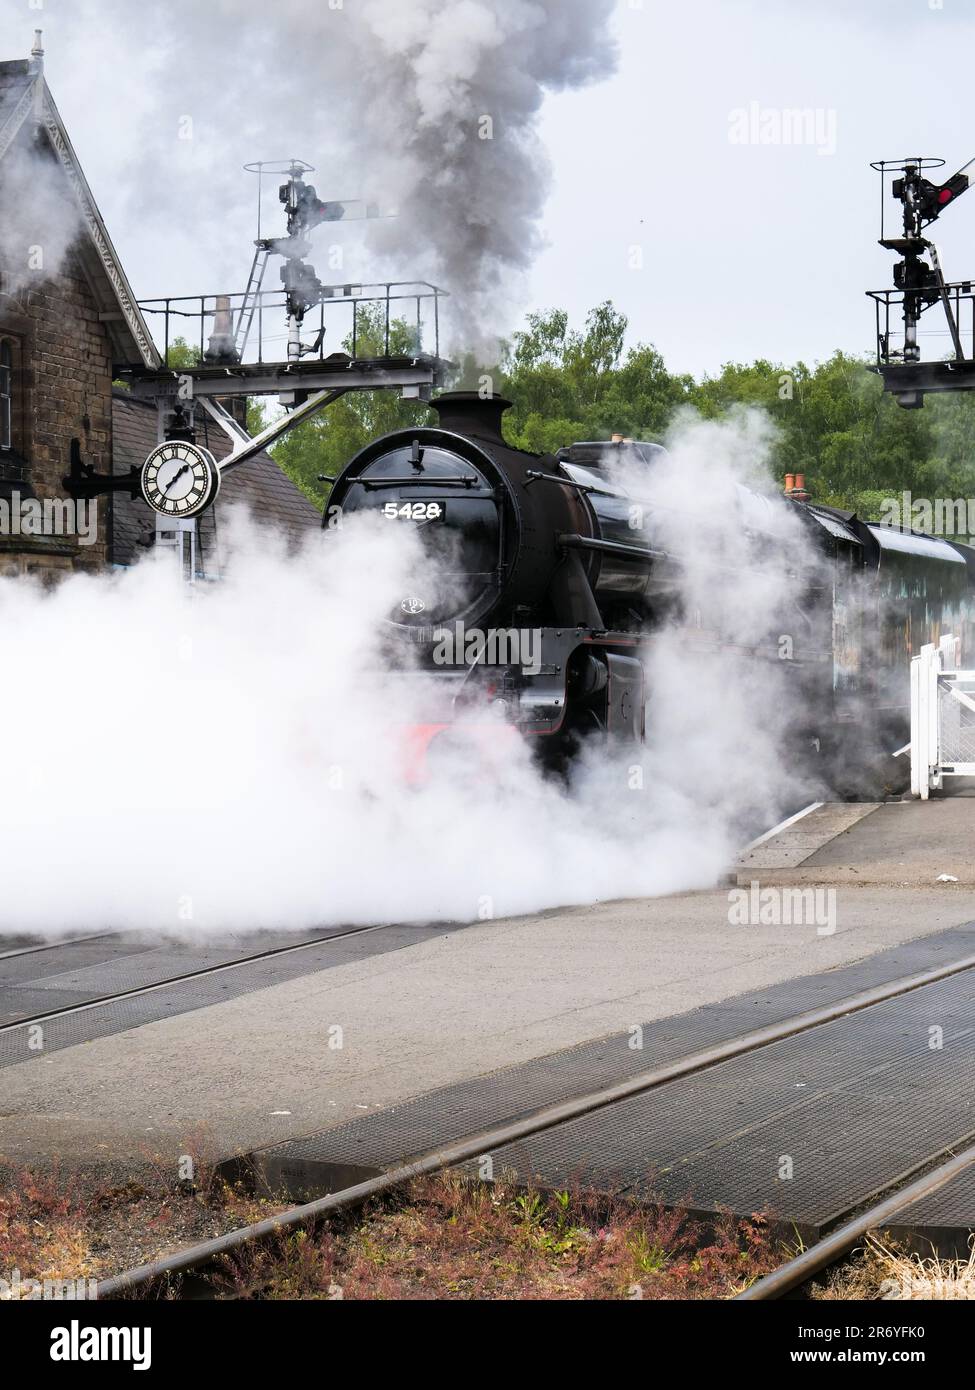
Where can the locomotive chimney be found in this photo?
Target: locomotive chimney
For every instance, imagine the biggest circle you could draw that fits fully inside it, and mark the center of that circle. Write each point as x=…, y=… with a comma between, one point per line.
x=468, y=412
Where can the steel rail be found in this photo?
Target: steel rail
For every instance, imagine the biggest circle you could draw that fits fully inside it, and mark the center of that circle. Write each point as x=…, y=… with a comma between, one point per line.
x=833, y=1247
x=547, y=1117
x=53, y=945
x=104, y=999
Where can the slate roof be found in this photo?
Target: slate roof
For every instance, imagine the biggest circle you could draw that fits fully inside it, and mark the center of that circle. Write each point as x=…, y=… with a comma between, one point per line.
x=258, y=484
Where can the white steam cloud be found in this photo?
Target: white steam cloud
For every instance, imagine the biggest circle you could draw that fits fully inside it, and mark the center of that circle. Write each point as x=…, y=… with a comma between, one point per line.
x=723, y=703
x=234, y=757
x=39, y=219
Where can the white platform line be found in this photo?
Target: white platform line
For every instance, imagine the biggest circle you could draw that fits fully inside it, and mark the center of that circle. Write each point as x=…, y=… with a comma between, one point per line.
x=783, y=825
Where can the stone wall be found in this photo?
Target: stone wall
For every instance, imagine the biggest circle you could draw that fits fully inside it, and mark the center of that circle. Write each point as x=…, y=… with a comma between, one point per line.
x=62, y=391
x=62, y=378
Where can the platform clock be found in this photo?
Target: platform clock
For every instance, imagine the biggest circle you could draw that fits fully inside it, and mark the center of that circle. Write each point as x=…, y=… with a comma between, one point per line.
x=180, y=479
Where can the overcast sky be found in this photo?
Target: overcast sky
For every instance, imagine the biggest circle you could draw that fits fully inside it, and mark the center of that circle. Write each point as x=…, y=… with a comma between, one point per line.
x=747, y=249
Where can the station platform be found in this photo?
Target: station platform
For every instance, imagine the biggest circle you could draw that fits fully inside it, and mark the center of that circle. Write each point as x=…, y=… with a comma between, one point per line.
x=895, y=844
x=388, y=1026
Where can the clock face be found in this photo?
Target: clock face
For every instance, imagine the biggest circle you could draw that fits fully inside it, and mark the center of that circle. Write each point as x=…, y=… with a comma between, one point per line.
x=180, y=479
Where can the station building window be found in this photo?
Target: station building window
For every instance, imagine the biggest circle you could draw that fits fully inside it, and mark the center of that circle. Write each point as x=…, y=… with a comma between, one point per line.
x=13, y=459
x=6, y=394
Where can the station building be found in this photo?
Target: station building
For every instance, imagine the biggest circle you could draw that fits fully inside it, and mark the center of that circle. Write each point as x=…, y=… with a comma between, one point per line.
x=69, y=323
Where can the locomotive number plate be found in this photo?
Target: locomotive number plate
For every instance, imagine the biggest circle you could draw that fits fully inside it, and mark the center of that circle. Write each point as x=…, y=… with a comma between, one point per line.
x=415, y=511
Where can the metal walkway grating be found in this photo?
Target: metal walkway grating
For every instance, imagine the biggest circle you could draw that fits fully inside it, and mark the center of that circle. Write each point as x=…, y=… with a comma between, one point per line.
x=943, y=1220
x=847, y=1108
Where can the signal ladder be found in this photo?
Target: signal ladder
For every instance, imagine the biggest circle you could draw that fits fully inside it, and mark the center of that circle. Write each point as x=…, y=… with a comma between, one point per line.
x=252, y=297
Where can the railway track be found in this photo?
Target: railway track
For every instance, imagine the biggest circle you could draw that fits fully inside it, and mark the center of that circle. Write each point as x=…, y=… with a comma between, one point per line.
x=840, y=1242
x=220, y=968
x=935, y=1171
x=34, y=948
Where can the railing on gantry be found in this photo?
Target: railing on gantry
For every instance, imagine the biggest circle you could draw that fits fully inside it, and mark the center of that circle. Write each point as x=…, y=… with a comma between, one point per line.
x=382, y=319
x=958, y=298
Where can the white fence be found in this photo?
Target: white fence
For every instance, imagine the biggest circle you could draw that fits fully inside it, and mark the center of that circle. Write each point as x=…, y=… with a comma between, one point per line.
x=942, y=718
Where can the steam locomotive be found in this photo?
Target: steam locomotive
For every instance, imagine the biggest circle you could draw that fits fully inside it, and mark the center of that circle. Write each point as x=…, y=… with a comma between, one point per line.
x=525, y=543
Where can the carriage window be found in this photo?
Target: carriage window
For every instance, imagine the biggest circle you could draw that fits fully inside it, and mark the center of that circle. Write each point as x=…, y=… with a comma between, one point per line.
x=6, y=394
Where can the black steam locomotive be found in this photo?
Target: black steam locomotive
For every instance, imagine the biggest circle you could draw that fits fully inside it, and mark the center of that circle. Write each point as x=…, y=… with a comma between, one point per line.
x=546, y=545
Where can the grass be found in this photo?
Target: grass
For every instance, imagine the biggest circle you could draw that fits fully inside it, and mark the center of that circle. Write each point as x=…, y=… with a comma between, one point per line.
x=59, y=1227
x=447, y=1238
x=442, y=1238
x=881, y=1270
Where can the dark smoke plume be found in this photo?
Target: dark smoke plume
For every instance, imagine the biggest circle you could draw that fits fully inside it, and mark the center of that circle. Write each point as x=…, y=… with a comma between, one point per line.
x=427, y=106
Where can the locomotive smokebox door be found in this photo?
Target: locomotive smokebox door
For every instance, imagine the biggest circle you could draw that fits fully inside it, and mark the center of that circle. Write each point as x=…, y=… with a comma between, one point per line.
x=625, y=711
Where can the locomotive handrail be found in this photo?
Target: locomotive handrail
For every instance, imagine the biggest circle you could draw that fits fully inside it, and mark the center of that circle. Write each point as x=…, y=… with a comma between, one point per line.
x=626, y=552
x=417, y=481
x=535, y=477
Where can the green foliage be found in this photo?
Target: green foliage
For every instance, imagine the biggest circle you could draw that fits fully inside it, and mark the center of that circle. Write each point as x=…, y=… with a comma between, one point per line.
x=181, y=355
x=569, y=385
x=650, y=1257
x=855, y=445
x=257, y=419
x=833, y=422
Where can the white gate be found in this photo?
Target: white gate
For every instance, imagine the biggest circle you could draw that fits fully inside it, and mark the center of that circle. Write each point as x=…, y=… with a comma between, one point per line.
x=942, y=718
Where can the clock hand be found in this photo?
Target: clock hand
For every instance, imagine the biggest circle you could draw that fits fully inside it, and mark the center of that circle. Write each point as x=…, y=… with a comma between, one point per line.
x=175, y=479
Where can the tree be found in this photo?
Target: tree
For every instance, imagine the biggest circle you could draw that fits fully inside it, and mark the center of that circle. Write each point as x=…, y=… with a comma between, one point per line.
x=834, y=424
x=833, y=421
x=181, y=355
x=569, y=385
